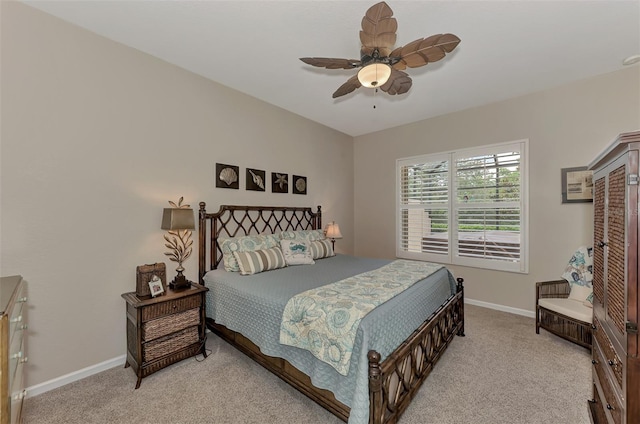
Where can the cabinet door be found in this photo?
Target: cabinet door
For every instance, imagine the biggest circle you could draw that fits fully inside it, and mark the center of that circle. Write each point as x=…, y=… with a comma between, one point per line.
x=615, y=226
x=599, y=188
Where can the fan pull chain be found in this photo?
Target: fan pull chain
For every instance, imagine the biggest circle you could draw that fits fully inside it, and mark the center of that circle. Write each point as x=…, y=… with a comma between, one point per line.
x=375, y=91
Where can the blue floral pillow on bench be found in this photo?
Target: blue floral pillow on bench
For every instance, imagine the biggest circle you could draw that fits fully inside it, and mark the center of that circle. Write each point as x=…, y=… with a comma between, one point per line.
x=579, y=274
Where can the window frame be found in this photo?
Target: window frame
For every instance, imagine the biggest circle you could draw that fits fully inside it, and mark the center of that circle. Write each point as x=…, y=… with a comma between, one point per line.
x=453, y=207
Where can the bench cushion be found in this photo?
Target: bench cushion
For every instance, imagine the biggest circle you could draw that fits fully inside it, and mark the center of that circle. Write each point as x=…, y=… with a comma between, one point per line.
x=571, y=308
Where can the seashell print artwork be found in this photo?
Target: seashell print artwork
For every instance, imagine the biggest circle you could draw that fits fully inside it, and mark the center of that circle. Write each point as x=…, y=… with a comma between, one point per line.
x=229, y=176
x=299, y=184
x=226, y=176
x=257, y=179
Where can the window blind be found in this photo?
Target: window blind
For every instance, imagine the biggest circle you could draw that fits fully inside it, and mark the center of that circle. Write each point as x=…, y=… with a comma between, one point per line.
x=465, y=207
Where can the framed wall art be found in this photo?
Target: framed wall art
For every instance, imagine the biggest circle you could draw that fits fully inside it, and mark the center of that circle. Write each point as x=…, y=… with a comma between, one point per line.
x=577, y=185
x=255, y=179
x=227, y=176
x=299, y=184
x=279, y=182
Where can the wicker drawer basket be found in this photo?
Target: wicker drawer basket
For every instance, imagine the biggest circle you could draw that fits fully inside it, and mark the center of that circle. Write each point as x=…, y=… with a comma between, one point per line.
x=169, y=324
x=167, y=308
x=608, y=351
x=169, y=344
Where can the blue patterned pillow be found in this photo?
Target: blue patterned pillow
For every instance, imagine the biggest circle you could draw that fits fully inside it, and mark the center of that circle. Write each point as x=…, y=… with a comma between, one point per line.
x=579, y=274
x=580, y=268
x=244, y=244
x=305, y=235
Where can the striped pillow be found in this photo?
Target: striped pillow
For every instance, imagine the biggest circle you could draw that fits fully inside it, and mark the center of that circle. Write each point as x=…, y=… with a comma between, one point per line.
x=321, y=249
x=244, y=244
x=259, y=260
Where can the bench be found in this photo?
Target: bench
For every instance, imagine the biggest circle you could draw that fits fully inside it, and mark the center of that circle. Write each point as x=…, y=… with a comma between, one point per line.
x=562, y=316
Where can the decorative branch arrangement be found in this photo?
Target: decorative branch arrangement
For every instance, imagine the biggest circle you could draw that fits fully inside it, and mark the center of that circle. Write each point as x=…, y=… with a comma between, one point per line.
x=179, y=241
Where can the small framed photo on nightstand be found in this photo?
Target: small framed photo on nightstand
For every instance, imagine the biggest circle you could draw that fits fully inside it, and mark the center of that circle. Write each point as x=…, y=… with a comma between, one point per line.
x=155, y=286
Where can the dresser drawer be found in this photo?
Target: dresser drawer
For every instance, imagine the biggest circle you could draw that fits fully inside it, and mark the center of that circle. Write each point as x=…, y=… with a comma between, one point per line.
x=17, y=393
x=608, y=351
x=17, y=355
x=610, y=395
x=169, y=344
x=171, y=307
x=169, y=324
x=597, y=406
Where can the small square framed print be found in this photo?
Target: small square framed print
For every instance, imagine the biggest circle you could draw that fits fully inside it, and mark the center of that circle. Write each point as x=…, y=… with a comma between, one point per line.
x=279, y=182
x=155, y=286
x=299, y=184
x=227, y=176
x=255, y=179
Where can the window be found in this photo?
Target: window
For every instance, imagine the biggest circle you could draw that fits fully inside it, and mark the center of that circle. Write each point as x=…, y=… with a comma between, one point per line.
x=466, y=207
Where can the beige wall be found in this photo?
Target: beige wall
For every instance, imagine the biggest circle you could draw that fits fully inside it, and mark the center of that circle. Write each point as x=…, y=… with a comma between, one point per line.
x=566, y=127
x=96, y=137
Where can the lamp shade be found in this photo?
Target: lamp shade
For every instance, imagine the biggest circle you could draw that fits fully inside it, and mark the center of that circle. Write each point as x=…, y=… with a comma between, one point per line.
x=374, y=75
x=178, y=219
x=333, y=231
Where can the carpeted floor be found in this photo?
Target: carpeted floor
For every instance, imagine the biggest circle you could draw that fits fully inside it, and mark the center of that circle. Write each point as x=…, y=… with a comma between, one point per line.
x=500, y=373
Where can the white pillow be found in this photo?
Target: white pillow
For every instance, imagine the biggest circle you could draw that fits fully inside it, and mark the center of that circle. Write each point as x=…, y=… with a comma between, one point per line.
x=296, y=252
x=580, y=293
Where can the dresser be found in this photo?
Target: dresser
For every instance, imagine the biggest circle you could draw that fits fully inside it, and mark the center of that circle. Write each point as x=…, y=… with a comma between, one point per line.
x=164, y=329
x=13, y=308
x=616, y=366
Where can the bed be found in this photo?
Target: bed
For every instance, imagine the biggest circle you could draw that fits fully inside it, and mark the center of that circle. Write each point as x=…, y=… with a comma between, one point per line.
x=389, y=361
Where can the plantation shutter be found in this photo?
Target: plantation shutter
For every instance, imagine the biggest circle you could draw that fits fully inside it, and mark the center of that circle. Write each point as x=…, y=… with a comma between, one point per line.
x=465, y=208
x=424, y=208
x=488, y=205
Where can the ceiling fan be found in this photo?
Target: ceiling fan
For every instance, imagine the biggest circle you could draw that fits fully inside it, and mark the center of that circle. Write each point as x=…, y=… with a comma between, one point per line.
x=382, y=67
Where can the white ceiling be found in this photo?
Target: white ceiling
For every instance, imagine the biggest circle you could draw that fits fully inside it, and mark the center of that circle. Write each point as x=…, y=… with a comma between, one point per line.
x=508, y=48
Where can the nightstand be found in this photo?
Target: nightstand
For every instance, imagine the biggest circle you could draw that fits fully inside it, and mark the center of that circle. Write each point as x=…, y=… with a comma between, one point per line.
x=165, y=329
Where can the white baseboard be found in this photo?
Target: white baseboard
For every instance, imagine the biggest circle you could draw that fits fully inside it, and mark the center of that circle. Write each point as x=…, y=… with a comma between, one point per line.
x=502, y=308
x=75, y=376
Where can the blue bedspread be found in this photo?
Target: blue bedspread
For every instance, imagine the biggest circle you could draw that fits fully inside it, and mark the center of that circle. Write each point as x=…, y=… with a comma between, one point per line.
x=253, y=305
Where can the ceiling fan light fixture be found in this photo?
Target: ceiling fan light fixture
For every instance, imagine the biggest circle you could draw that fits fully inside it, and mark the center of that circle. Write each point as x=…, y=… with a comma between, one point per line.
x=374, y=75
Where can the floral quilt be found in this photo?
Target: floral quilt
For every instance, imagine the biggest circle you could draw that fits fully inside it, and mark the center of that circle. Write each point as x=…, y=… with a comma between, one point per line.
x=325, y=320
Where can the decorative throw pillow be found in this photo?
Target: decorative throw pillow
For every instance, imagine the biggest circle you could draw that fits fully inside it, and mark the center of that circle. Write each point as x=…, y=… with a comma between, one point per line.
x=580, y=293
x=244, y=244
x=580, y=267
x=589, y=301
x=296, y=252
x=321, y=249
x=259, y=260
x=579, y=274
x=306, y=235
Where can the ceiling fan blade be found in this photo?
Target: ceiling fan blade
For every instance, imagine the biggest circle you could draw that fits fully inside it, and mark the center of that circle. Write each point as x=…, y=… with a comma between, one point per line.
x=330, y=63
x=422, y=51
x=348, y=87
x=378, y=29
x=399, y=83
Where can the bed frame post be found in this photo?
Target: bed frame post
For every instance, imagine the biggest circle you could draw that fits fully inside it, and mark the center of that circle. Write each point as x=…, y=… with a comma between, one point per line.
x=319, y=218
x=460, y=289
x=375, y=387
x=202, y=244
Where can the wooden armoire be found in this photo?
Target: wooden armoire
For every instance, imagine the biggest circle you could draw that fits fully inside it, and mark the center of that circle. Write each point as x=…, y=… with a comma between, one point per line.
x=616, y=366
